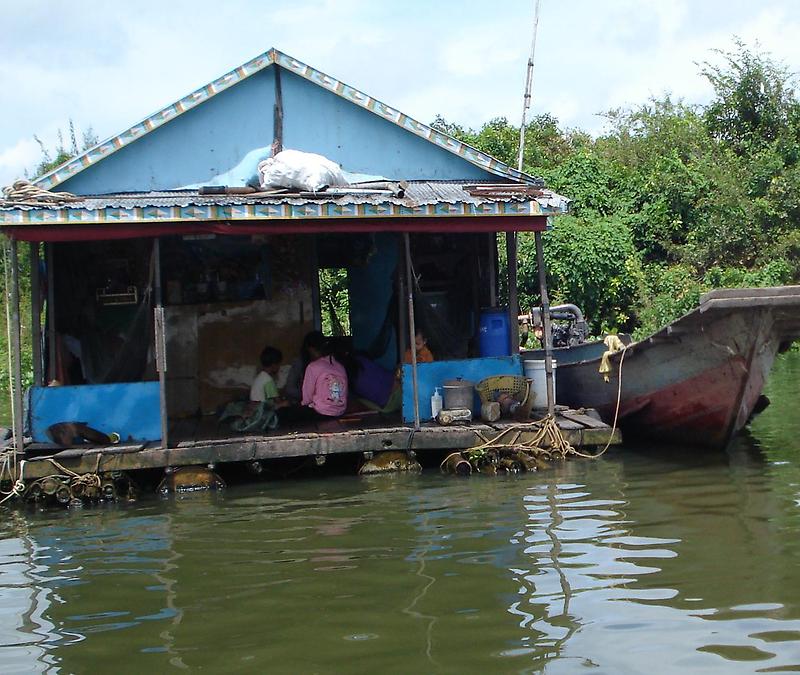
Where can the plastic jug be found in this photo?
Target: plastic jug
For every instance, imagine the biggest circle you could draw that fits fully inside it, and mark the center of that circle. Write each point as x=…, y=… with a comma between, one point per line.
x=436, y=403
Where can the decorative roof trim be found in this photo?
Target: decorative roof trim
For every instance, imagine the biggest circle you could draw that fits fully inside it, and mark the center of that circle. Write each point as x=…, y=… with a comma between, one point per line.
x=259, y=63
x=250, y=212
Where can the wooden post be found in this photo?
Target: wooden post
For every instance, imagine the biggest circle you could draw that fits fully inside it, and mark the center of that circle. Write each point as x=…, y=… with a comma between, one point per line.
x=513, y=304
x=476, y=291
x=36, y=315
x=277, y=142
x=548, y=335
x=16, y=351
x=402, y=336
x=412, y=330
x=492, y=269
x=315, y=299
x=51, y=312
x=161, y=345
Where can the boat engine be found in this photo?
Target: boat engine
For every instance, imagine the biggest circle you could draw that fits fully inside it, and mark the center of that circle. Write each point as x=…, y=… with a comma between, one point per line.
x=568, y=325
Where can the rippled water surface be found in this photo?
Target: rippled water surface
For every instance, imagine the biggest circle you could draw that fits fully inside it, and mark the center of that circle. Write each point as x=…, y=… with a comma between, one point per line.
x=643, y=561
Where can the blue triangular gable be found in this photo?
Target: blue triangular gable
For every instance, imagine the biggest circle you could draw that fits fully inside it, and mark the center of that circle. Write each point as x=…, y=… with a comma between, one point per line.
x=218, y=134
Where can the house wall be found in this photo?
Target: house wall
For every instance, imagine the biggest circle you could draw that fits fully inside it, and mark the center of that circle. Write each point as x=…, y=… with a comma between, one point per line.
x=317, y=120
x=213, y=348
x=222, y=140
x=204, y=142
x=432, y=375
x=130, y=409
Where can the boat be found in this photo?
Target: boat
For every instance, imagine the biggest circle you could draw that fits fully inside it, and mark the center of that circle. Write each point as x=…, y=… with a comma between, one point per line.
x=697, y=381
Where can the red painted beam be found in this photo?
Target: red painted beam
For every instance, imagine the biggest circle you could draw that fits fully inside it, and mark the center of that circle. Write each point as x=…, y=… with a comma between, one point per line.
x=448, y=225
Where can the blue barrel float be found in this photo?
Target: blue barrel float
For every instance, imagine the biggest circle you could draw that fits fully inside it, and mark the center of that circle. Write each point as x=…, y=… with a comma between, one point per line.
x=494, y=336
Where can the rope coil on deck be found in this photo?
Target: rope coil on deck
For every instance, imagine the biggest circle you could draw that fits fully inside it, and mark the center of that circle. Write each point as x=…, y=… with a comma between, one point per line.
x=510, y=451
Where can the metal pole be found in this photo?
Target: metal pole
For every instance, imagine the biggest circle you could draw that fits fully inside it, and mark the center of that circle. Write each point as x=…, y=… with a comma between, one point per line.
x=548, y=336
x=51, y=312
x=36, y=315
x=513, y=303
x=161, y=345
x=526, y=102
x=412, y=330
x=16, y=351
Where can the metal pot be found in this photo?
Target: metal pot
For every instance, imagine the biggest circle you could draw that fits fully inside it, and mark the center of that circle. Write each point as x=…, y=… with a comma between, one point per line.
x=458, y=394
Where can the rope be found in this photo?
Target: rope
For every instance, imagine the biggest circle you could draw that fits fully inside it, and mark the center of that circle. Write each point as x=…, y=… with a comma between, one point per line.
x=26, y=193
x=64, y=470
x=619, y=399
x=70, y=479
x=547, y=440
x=613, y=345
x=18, y=488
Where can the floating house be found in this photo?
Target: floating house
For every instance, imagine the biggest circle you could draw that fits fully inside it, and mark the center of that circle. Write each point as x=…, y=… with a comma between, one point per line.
x=156, y=285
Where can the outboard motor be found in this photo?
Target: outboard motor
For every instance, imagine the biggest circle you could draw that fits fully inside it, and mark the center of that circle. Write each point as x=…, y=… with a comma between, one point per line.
x=569, y=327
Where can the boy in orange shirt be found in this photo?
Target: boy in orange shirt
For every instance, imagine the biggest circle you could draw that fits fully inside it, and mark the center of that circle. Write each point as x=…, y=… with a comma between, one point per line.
x=424, y=354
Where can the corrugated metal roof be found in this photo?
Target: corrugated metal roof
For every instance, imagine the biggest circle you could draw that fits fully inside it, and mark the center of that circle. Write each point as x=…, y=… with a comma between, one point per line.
x=417, y=193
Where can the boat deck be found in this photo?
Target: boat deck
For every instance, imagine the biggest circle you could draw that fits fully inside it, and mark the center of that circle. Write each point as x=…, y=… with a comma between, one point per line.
x=202, y=441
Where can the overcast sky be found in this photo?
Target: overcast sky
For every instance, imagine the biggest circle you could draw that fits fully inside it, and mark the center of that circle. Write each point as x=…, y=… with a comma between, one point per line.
x=108, y=64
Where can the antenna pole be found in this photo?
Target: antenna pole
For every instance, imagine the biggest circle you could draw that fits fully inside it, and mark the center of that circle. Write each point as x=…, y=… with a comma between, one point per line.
x=526, y=102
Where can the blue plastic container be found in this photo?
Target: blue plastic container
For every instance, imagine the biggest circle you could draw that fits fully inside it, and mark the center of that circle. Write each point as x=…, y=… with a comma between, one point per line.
x=494, y=336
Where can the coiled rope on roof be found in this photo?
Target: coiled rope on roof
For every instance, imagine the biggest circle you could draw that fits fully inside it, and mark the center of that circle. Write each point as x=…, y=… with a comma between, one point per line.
x=23, y=192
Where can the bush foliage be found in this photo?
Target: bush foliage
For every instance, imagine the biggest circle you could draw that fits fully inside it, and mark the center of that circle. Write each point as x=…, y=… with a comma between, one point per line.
x=671, y=200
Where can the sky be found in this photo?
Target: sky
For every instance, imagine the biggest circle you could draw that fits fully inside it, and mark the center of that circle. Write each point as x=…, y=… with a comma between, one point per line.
x=107, y=64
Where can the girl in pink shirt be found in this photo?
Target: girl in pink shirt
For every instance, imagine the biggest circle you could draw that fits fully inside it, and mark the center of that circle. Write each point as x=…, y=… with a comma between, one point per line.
x=324, y=387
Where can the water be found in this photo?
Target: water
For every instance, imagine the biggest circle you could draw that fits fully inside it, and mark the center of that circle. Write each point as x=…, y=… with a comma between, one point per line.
x=640, y=562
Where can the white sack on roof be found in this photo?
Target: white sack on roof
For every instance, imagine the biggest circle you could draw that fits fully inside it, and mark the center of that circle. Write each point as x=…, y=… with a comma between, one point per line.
x=300, y=170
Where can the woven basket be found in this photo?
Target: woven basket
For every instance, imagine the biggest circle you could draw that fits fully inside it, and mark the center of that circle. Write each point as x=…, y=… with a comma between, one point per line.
x=492, y=388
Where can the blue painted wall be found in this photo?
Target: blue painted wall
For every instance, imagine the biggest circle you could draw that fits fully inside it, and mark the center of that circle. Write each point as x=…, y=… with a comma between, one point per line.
x=201, y=143
x=432, y=375
x=371, y=290
x=317, y=120
x=235, y=127
x=131, y=409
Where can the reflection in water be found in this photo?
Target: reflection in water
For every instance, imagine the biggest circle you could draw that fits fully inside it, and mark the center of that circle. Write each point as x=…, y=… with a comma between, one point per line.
x=427, y=581
x=25, y=632
x=648, y=559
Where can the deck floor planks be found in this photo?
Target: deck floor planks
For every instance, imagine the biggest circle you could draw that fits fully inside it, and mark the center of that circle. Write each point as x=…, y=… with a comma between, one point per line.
x=203, y=441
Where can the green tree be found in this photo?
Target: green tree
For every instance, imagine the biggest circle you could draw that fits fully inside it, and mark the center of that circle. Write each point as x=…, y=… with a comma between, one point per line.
x=754, y=104
x=591, y=262
x=63, y=152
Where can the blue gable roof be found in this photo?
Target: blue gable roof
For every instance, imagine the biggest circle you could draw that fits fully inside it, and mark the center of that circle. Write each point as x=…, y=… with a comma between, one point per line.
x=220, y=132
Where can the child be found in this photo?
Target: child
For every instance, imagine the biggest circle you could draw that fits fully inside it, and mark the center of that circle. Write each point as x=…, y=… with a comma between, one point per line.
x=264, y=387
x=424, y=354
x=258, y=414
x=324, y=391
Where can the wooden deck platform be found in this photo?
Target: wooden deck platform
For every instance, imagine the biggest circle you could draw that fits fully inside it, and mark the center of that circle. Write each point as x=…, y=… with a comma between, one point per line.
x=203, y=441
